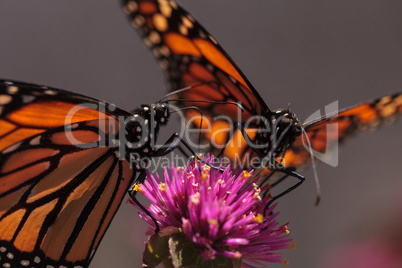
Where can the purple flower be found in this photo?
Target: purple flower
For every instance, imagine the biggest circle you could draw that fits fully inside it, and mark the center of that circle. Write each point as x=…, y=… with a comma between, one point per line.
x=219, y=213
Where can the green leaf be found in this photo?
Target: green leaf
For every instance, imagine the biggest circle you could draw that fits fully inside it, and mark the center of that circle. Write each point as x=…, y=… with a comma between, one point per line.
x=184, y=254
x=157, y=248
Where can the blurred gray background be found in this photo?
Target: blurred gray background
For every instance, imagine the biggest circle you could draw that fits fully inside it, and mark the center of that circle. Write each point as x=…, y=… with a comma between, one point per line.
x=307, y=53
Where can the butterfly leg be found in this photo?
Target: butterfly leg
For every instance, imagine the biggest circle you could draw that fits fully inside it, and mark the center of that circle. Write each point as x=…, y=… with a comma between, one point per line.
x=168, y=146
x=288, y=172
x=132, y=193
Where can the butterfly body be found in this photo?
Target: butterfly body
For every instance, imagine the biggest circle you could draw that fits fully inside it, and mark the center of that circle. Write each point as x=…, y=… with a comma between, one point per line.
x=66, y=162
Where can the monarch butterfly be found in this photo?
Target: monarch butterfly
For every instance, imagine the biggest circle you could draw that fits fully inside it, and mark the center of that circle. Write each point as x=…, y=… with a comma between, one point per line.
x=192, y=58
x=67, y=161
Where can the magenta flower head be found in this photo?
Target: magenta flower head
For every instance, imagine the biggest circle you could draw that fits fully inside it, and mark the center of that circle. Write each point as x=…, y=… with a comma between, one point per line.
x=210, y=217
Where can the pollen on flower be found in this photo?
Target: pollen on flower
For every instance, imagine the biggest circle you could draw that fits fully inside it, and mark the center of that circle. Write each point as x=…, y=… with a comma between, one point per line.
x=204, y=176
x=180, y=168
x=137, y=188
x=162, y=187
x=285, y=262
x=195, y=186
x=213, y=222
x=256, y=188
x=221, y=181
x=206, y=169
x=257, y=197
x=293, y=246
x=190, y=175
x=259, y=218
x=238, y=255
x=285, y=229
x=195, y=198
x=246, y=174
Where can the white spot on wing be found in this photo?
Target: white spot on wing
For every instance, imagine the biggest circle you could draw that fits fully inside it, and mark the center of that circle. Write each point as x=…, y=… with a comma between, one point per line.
x=213, y=39
x=234, y=81
x=27, y=98
x=35, y=141
x=139, y=20
x=5, y=99
x=165, y=51
x=24, y=262
x=12, y=89
x=50, y=92
x=154, y=37
x=72, y=126
x=11, y=149
x=131, y=7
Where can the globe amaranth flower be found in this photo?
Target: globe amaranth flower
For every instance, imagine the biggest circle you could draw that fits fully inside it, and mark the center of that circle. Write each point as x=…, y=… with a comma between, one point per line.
x=219, y=213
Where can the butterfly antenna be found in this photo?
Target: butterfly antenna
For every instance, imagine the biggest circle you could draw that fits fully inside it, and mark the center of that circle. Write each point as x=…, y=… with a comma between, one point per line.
x=185, y=89
x=317, y=182
x=212, y=101
x=175, y=92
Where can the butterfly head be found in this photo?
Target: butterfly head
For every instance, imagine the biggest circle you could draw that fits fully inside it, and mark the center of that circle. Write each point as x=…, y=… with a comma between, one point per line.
x=143, y=127
x=161, y=113
x=287, y=128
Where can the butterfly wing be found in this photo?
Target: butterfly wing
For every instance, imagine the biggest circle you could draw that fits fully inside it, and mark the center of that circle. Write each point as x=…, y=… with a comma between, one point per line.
x=28, y=109
x=191, y=57
x=326, y=131
x=61, y=183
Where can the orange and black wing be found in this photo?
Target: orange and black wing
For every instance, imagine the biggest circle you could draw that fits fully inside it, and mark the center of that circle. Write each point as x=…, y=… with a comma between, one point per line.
x=325, y=132
x=61, y=184
x=28, y=109
x=190, y=56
